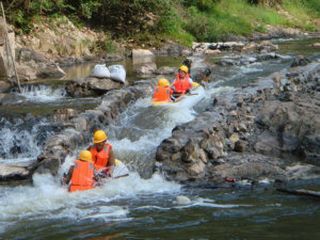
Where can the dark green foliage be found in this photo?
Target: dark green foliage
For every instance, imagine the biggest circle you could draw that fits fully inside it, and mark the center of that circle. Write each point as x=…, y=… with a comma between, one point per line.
x=202, y=5
x=270, y=3
x=181, y=20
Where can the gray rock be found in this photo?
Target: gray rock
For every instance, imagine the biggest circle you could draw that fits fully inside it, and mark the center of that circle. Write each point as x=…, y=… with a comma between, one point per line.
x=183, y=200
x=140, y=56
x=64, y=114
x=91, y=86
x=11, y=172
x=146, y=69
x=27, y=55
x=300, y=61
x=4, y=86
x=51, y=71
x=26, y=72
x=166, y=70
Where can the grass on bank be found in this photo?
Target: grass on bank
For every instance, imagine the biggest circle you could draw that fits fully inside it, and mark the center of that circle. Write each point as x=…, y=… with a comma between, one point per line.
x=238, y=17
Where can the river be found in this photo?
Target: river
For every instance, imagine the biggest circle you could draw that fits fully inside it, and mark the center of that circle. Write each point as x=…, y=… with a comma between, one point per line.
x=135, y=207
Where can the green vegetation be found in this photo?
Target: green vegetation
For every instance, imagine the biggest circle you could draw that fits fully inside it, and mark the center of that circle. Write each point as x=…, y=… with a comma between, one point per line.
x=153, y=21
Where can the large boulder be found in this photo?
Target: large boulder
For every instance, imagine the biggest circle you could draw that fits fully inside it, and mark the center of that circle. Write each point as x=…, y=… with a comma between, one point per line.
x=184, y=156
x=27, y=55
x=26, y=72
x=253, y=167
x=91, y=86
x=51, y=71
x=11, y=172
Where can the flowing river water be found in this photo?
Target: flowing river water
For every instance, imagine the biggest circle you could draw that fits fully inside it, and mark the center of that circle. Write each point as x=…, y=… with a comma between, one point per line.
x=135, y=207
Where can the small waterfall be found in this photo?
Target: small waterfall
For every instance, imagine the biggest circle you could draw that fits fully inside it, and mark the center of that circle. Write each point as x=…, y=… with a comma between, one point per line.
x=42, y=93
x=22, y=139
x=141, y=129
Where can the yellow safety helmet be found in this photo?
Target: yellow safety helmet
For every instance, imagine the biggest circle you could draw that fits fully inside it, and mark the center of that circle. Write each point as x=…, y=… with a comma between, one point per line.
x=163, y=82
x=99, y=136
x=184, y=68
x=85, y=155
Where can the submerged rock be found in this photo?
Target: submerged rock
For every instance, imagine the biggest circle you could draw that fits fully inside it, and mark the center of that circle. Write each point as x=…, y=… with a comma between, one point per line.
x=183, y=200
x=300, y=61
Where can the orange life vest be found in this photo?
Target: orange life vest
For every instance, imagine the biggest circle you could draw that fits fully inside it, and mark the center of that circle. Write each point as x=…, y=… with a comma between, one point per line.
x=101, y=158
x=181, y=85
x=162, y=94
x=82, y=176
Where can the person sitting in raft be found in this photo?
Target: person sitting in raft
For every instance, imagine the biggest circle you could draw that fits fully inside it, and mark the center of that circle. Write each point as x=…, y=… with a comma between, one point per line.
x=81, y=176
x=163, y=92
x=182, y=84
x=188, y=62
x=102, y=154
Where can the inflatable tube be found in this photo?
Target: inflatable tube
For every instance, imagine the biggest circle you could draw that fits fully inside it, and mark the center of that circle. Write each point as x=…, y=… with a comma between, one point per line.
x=117, y=73
x=119, y=170
x=100, y=71
x=187, y=100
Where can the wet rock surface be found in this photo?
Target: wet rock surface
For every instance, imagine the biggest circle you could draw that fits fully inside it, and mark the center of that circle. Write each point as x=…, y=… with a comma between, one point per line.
x=10, y=172
x=241, y=46
x=255, y=133
x=91, y=86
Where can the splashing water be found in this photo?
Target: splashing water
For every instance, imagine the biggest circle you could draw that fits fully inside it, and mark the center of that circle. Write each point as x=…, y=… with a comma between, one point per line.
x=42, y=93
x=142, y=128
x=21, y=142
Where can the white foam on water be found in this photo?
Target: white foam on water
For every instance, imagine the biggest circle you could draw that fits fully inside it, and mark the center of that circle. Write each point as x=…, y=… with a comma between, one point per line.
x=19, y=144
x=220, y=90
x=42, y=93
x=161, y=121
x=198, y=202
x=250, y=69
x=47, y=199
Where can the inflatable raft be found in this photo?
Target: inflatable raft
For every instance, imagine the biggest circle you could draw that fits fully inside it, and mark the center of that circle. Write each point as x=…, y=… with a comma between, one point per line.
x=186, y=100
x=119, y=170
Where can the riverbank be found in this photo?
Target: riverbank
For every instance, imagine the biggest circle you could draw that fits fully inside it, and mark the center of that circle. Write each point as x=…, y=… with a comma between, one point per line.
x=265, y=130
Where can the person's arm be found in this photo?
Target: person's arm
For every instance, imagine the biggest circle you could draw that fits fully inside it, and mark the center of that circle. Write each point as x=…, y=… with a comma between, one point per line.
x=67, y=176
x=112, y=159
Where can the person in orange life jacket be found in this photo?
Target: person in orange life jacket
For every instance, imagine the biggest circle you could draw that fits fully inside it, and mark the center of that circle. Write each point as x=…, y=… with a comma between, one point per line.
x=81, y=176
x=102, y=154
x=182, y=84
x=162, y=92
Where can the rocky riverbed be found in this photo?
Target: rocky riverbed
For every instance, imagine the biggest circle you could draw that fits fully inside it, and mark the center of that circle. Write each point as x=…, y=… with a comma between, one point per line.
x=259, y=131
x=267, y=128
